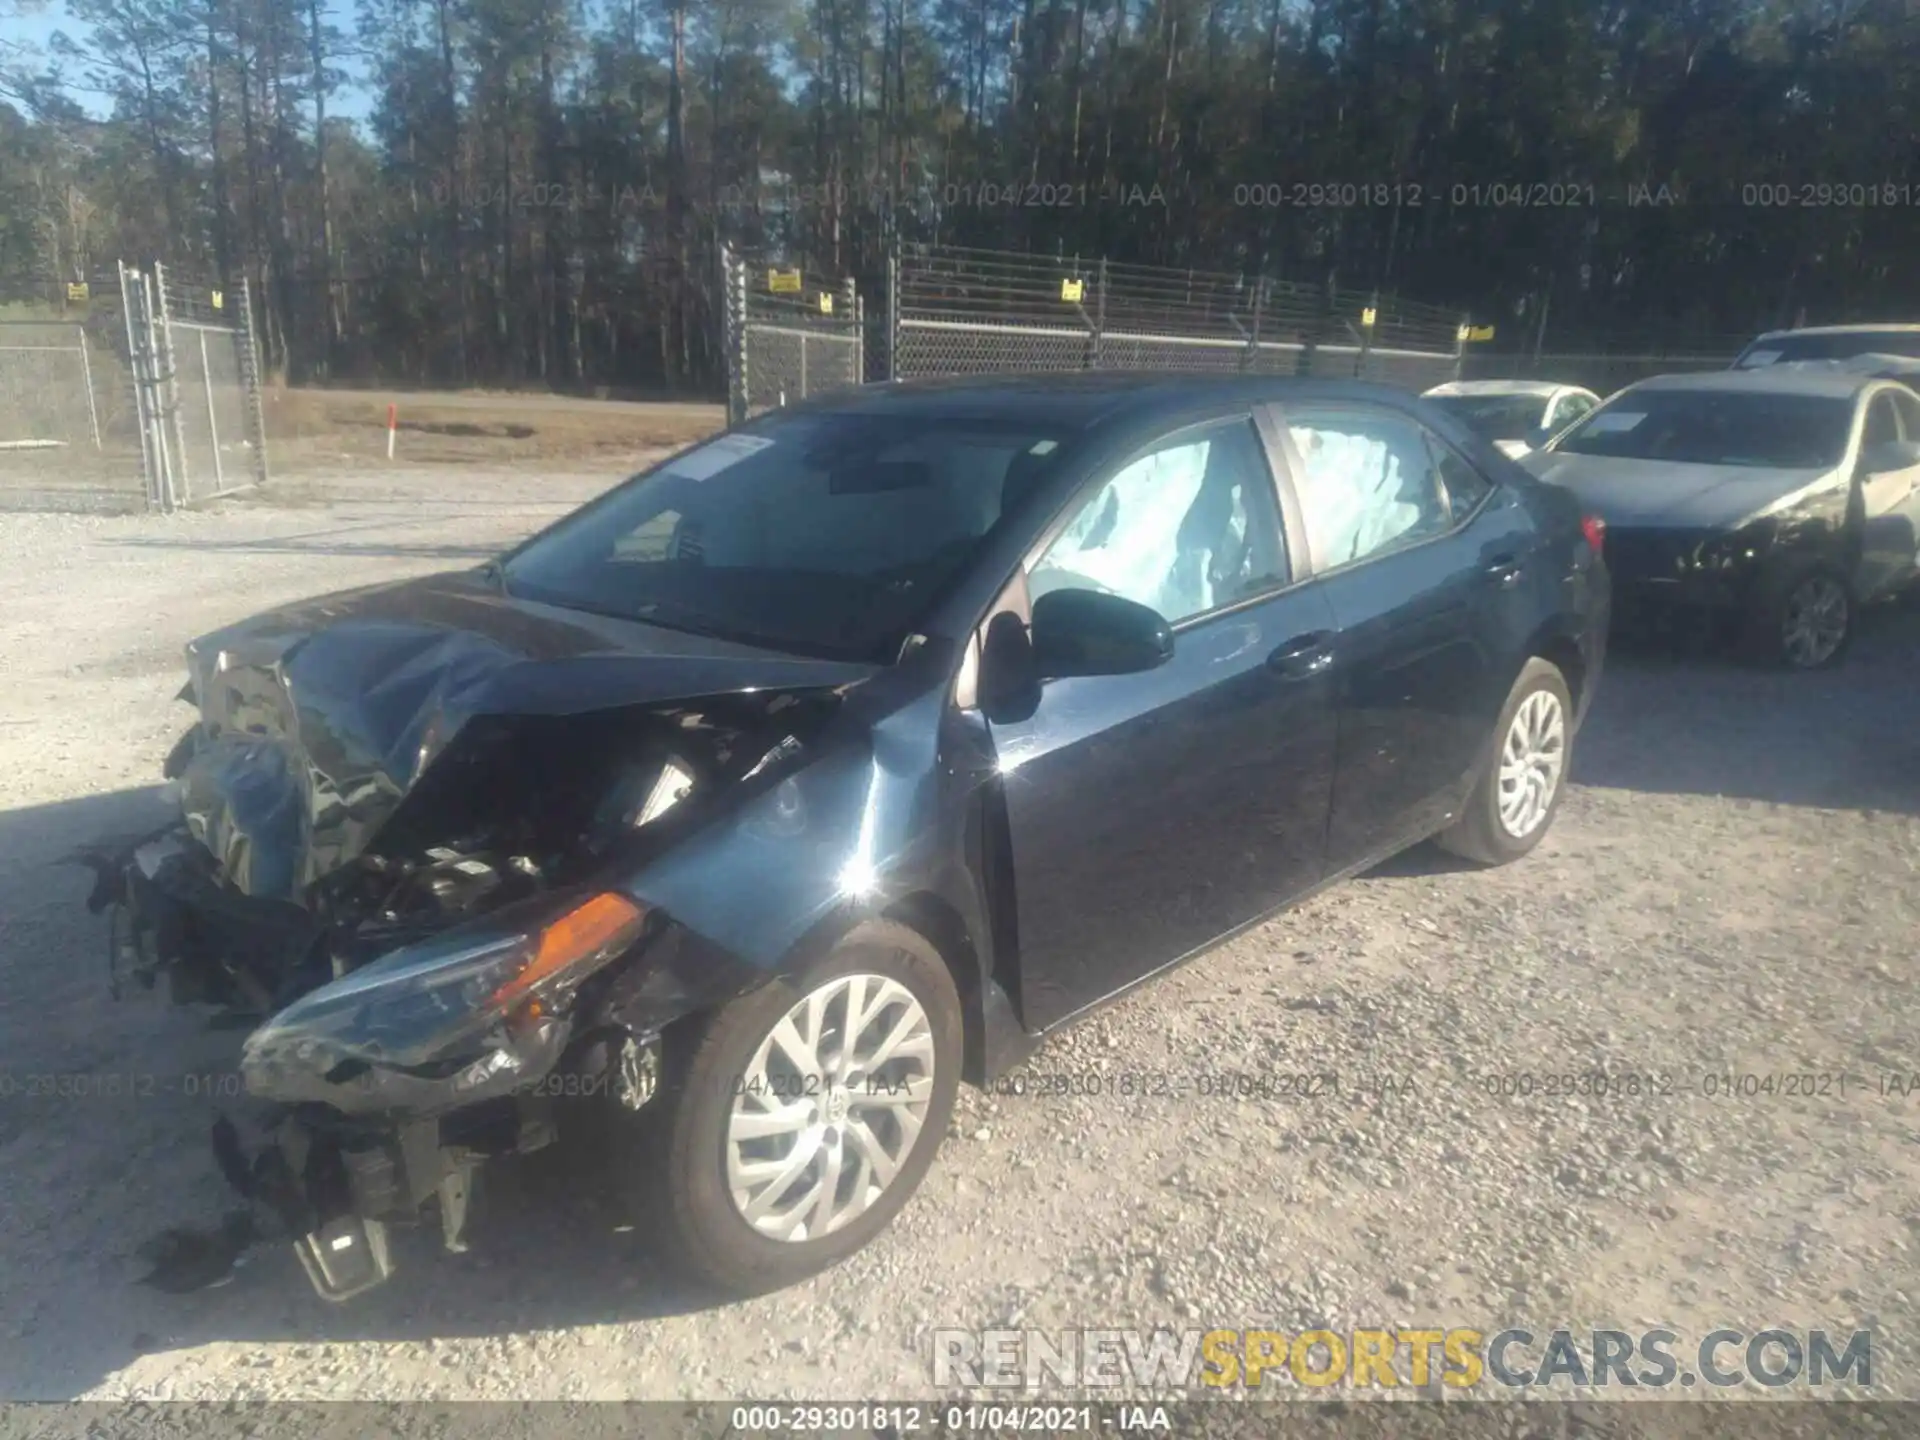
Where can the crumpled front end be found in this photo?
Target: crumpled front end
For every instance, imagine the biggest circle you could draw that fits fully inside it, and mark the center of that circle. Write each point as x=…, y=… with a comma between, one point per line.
x=401, y=864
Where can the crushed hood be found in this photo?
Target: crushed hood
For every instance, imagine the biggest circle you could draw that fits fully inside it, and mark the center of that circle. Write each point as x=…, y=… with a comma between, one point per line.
x=318, y=718
x=1667, y=493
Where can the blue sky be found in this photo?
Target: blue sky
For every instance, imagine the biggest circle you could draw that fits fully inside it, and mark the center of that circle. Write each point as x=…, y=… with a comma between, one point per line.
x=36, y=30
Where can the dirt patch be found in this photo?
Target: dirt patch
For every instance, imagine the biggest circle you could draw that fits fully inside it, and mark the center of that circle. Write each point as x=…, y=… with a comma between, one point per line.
x=311, y=429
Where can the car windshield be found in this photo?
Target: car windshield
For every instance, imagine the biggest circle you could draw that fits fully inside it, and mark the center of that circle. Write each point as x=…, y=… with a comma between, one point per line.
x=824, y=534
x=1780, y=349
x=1717, y=427
x=1497, y=417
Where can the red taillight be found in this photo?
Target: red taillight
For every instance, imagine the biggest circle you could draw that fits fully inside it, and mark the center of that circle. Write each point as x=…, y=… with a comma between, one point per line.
x=1595, y=529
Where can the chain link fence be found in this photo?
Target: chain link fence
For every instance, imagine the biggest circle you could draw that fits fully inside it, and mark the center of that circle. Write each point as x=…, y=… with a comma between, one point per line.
x=786, y=336
x=966, y=311
x=69, y=435
x=128, y=391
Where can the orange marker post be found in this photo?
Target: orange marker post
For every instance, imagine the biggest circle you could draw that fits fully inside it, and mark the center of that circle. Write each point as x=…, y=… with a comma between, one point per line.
x=393, y=412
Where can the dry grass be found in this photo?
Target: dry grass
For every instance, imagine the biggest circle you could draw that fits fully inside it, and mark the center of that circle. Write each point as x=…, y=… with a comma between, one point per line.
x=310, y=428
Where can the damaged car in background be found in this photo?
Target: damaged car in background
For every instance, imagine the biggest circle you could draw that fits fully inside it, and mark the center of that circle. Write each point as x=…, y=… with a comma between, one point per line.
x=752, y=806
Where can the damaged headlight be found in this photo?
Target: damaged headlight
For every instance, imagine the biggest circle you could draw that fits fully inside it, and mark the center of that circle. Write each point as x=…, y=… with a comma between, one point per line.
x=429, y=1008
x=1731, y=551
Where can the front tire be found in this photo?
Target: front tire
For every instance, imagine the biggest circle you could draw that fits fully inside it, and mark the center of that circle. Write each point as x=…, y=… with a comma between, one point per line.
x=1806, y=623
x=1523, y=774
x=806, y=1115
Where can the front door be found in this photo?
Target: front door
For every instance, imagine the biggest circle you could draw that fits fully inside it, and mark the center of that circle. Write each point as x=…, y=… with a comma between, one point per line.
x=1152, y=813
x=1891, y=499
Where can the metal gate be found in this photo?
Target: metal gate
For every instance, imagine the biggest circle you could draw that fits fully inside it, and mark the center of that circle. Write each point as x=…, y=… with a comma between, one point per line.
x=786, y=337
x=196, y=381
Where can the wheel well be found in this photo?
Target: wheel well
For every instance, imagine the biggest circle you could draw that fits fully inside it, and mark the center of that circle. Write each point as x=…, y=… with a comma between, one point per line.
x=943, y=929
x=1564, y=656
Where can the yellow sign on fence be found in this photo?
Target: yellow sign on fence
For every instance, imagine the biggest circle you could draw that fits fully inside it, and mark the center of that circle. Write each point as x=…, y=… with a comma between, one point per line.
x=784, y=282
x=1367, y=317
x=1072, y=290
x=1480, y=332
x=78, y=292
x=826, y=302
x=219, y=300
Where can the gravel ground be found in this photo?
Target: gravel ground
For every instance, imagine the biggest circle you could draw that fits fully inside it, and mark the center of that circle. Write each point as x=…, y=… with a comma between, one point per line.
x=1729, y=890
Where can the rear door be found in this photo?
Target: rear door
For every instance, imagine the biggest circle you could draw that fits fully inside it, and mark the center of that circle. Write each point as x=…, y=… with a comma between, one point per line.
x=1428, y=568
x=1150, y=814
x=1890, y=499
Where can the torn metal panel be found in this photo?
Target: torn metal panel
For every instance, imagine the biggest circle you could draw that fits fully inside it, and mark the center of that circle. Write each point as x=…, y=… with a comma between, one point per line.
x=317, y=720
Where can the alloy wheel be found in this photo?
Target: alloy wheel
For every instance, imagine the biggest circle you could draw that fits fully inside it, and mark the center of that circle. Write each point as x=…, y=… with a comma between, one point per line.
x=830, y=1107
x=1531, y=761
x=1815, y=622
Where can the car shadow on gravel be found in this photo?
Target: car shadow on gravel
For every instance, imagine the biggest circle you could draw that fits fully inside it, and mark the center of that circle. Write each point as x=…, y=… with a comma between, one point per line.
x=105, y=1114
x=1679, y=720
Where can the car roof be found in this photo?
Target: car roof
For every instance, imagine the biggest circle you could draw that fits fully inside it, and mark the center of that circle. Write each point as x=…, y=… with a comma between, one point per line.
x=1770, y=380
x=1891, y=327
x=1868, y=364
x=1079, y=399
x=1499, y=387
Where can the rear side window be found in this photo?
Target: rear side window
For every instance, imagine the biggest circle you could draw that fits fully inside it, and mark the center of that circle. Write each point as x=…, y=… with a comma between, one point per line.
x=1571, y=409
x=1367, y=482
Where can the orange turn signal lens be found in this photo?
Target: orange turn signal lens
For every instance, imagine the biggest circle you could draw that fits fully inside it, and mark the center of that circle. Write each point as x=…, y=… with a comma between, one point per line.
x=604, y=923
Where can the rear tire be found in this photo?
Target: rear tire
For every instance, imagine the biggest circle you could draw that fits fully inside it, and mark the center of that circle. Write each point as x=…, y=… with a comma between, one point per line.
x=738, y=1116
x=1523, y=773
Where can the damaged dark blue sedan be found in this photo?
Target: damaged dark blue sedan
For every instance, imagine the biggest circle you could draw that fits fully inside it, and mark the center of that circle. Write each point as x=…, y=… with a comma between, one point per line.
x=759, y=802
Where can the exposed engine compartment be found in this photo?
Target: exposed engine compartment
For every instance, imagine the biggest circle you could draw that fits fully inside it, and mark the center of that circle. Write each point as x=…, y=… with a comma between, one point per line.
x=512, y=807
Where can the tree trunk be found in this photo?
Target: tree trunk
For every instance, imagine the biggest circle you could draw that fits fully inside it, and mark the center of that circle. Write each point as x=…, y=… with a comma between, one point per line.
x=317, y=47
x=456, y=247
x=216, y=144
x=674, y=338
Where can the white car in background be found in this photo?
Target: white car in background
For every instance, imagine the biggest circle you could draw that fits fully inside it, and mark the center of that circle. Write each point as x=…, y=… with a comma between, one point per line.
x=1516, y=415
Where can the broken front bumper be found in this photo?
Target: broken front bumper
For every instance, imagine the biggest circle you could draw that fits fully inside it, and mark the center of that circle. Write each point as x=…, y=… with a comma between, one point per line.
x=336, y=1182
x=370, y=1098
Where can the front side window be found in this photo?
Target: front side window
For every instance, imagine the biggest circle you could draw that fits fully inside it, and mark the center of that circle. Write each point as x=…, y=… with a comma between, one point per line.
x=1883, y=423
x=1366, y=483
x=829, y=533
x=1908, y=406
x=1188, y=527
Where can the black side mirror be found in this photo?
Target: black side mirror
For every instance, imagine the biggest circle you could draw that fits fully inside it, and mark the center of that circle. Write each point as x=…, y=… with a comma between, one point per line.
x=1889, y=456
x=1086, y=632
